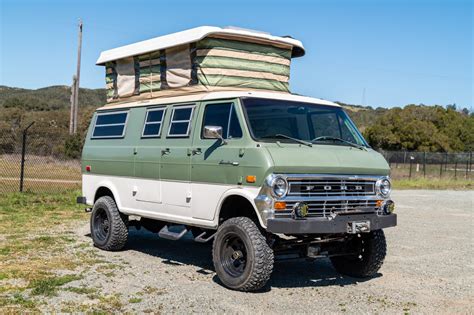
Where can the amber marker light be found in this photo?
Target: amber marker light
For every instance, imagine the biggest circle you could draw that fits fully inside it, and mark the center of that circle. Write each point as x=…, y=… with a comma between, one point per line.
x=379, y=203
x=280, y=205
x=251, y=178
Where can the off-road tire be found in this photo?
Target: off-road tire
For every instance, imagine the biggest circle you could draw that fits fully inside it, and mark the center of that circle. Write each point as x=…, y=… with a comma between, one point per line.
x=259, y=256
x=116, y=237
x=372, y=249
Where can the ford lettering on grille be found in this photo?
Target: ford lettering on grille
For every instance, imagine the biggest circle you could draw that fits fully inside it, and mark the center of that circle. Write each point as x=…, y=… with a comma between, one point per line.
x=316, y=187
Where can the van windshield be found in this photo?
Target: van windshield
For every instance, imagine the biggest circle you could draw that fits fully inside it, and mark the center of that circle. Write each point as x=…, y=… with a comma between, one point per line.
x=280, y=120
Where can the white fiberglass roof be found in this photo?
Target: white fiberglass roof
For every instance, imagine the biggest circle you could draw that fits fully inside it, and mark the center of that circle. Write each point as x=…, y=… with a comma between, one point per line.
x=190, y=36
x=220, y=95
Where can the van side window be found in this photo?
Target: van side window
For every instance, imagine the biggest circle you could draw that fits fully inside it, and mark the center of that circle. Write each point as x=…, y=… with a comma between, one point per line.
x=110, y=125
x=153, y=122
x=180, y=124
x=222, y=115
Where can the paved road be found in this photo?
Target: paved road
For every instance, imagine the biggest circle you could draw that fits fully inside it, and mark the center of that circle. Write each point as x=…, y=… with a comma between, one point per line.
x=429, y=269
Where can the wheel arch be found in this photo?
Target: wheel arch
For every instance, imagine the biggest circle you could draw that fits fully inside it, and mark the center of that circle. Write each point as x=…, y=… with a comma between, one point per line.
x=235, y=203
x=106, y=188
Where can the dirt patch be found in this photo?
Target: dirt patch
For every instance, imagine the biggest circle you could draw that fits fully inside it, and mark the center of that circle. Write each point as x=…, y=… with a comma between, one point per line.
x=428, y=269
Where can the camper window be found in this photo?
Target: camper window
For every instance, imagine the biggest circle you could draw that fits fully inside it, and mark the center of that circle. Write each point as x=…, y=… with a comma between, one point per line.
x=153, y=121
x=180, y=121
x=110, y=125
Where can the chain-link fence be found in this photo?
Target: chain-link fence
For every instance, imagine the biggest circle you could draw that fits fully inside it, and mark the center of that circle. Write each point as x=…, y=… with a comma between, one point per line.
x=29, y=163
x=408, y=165
x=35, y=164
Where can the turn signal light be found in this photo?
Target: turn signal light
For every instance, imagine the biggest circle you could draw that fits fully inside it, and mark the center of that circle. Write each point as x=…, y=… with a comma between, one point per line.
x=280, y=205
x=88, y=168
x=379, y=203
x=251, y=178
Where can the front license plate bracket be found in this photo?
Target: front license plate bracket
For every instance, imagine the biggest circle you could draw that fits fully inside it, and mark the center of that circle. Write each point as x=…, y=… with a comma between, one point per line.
x=356, y=227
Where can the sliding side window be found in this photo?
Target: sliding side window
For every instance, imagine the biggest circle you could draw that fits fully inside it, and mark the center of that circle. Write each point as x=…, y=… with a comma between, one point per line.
x=153, y=122
x=180, y=125
x=110, y=125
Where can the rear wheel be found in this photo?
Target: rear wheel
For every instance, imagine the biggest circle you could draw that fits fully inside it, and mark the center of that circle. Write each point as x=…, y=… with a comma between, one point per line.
x=109, y=229
x=369, y=253
x=242, y=258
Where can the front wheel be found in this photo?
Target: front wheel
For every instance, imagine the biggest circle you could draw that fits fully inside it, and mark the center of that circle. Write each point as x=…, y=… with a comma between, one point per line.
x=242, y=258
x=368, y=254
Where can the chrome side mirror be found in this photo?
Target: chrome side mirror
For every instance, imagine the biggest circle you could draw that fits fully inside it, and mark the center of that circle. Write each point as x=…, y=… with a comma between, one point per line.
x=214, y=132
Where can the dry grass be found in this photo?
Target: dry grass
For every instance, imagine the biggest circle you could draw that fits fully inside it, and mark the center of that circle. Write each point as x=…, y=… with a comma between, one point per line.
x=32, y=247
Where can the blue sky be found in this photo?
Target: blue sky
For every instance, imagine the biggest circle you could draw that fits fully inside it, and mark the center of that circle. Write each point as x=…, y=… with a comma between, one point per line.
x=399, y=52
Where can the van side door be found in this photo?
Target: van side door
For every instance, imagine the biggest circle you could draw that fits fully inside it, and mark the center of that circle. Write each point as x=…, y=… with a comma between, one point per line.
x=147, y=188
x=175, y=166
x=215, y=165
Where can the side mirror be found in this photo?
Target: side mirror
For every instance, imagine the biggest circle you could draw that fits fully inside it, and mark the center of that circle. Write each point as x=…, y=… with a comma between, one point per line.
x=214, y=132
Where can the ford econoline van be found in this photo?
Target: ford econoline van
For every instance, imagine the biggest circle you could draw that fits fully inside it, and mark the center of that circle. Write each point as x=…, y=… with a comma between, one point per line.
x=259, y=174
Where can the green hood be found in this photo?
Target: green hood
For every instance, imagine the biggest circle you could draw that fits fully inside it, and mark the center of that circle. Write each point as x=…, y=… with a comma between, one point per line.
x=326, y=159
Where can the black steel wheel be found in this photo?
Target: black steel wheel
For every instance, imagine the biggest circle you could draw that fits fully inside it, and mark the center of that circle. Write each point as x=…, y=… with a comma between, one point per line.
x=242, y=258
x=233, y=255
x=101, y=225
x=109, y=228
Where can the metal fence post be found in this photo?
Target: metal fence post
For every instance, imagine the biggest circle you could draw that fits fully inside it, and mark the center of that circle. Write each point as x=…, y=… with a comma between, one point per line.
x=467, y=167
x=411, y=162
x=441, y=169
x=23, y=152
x=455, y=169
x=470, y=161
x=424, y=164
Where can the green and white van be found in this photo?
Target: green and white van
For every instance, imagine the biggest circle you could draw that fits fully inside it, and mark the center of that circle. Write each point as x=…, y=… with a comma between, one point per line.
x=261, y=174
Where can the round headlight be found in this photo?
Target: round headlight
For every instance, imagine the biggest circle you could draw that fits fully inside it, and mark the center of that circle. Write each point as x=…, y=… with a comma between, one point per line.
x=279, y=187
x=384, y=187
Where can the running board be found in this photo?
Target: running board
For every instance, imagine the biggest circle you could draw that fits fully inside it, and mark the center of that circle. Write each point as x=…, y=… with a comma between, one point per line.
x=200, y=238
x=170, y=235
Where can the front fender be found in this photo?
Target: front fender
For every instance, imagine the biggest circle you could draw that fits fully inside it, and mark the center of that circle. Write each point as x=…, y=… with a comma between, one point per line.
x=248, y=193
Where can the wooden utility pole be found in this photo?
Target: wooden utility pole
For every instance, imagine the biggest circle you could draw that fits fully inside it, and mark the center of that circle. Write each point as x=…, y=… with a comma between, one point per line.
x=75, y=86
x=72, y=100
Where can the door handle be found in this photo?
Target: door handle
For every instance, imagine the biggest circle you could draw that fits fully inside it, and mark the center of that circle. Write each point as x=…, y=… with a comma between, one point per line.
x=197, y=151
x=165, y=151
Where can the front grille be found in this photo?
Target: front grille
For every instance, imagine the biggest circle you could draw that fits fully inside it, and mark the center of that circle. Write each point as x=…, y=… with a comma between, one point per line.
x=330, y=187
x=324, y=208
x=326, y=195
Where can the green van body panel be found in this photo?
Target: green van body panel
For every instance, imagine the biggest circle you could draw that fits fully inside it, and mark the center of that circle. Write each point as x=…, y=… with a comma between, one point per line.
x=194, y=159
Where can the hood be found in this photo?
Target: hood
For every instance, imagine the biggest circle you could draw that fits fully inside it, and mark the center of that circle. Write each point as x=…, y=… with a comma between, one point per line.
x=326, y=159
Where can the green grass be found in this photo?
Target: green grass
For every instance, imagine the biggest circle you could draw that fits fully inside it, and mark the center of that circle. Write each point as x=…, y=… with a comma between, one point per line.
x=433, y=183
x=21, y=212
x=17, y=300
x=49, y=286
x=81, y=290
x=135, y=300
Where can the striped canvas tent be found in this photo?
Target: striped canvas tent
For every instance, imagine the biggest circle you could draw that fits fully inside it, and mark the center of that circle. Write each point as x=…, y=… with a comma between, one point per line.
x=200, y=59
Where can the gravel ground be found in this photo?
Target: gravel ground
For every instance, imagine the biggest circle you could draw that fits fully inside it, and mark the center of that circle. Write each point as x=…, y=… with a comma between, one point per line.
x=429, y=269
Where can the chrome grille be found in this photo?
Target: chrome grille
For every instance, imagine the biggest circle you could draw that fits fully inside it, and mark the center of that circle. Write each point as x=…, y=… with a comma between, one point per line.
x=330, y=194
x=330, y=187
x=323, y=208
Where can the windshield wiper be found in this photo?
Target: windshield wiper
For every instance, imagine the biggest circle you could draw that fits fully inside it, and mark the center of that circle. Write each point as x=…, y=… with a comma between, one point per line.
x=279, y=135
x=322, y=138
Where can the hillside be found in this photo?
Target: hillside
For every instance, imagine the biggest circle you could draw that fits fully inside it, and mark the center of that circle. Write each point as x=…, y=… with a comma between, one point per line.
x=48, y=98
x=412, y=127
